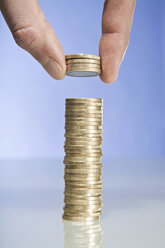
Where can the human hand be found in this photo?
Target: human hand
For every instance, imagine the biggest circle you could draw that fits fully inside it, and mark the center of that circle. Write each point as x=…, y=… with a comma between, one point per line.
x=33, y=33
x=116, y=26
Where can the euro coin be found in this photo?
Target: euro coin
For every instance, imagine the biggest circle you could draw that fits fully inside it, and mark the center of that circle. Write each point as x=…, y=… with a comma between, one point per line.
x=82, y=56
x=84, y=61
x=82, y=66
x=83, y=72
x=81, y=219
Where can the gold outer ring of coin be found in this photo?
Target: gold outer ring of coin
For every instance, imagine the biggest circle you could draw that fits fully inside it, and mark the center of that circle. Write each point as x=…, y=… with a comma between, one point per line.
x=83, y=100
x=82, y=56
x=82, y=60
x=71, y=164
x=81, y=123
x=83, y=112
x=78, y=144
x=87, y=135
x=82, y=159
x=100, y=205
x=85, y=139
x=82, y=65
x=81, y=219
x=82, y=152
x=79, y=202
x=67, y=181
x=82, y=199
x=73, y=208
x=82, y=149
x=83, y=145
x=76, y=189
x=71, y=127
x=88, y=109
x=85, y=192
x=83, y=69
x=86, y=119
x=83, y=170
x=81, y=214
x=83, y=177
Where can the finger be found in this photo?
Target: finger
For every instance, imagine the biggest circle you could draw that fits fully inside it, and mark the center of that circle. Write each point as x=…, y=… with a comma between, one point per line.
x=116, y=25
x=33, y=33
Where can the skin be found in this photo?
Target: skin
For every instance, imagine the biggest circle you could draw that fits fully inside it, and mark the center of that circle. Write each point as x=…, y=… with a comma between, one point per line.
x=33, y=33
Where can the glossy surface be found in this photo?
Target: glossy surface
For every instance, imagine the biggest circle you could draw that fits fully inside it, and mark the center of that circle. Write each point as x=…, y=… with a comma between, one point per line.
x=31, y=206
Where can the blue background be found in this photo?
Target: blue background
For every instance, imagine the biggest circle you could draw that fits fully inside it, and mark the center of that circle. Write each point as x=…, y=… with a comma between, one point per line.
x=32, y=103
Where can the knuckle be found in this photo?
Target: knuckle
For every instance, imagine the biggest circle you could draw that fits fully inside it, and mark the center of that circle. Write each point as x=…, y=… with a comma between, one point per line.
x=26, y=38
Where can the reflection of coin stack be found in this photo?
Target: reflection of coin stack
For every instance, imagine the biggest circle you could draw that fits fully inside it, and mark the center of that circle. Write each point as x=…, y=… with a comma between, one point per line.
x=83, y=65
x=84, y=235
x=83, y=185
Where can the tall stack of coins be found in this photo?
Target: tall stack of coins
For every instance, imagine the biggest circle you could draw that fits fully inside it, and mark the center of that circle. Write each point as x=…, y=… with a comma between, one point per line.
x=83, y=168
x=82, y=65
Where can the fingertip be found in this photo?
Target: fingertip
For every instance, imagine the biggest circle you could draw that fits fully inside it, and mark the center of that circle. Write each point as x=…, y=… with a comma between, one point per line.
x=54, y=69
x=108, y=76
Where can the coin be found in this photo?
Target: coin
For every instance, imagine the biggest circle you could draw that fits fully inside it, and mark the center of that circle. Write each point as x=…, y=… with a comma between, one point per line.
x=82, y=66
x=81, y=219
x=83, y=136
x=86, y=139
x=82, y=60
x=83, y=72
x=82, y=189
x=82, y=56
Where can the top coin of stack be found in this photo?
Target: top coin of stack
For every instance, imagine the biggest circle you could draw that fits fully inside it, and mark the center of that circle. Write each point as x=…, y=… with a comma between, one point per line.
x=83, y=65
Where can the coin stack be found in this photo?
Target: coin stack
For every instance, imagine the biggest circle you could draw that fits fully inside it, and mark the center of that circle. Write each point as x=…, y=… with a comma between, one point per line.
x=83, y=168
x=82, y=65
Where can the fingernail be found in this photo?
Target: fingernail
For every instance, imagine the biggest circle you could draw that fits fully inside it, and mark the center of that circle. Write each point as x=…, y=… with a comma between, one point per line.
x=54, y=69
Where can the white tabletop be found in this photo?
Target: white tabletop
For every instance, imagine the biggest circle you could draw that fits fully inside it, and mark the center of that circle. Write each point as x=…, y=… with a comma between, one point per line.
x=31, y=206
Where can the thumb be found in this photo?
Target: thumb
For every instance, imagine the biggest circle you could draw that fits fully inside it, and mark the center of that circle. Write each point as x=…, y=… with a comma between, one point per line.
x=33, y=33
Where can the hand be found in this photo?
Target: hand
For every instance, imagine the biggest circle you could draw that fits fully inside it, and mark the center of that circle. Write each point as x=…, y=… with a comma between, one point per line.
x=32, y=32
x=116, y=26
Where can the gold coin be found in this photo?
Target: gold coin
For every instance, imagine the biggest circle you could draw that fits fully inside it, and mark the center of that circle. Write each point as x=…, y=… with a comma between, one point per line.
x=84, y=119
x=85, y=167
x=89, y=182
x=88, y=211
x=92, y=207
x=83, y=145
x=79, y=202
x=83, y=176
x=83, y=123
x=83, y=72
x=82, y=179
x=76, y=150
x=82, y=60
x=81, y=214
x=82, y=56
x=86, y=139
x=82, y=159
x=98, y=131
x=83, y=164
x=81, y=104
x=72, y=127
x=83, y=199
x=82, y=189
x=93, y=113
x=88, y=135
x=82, y=66
x=81, y=219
